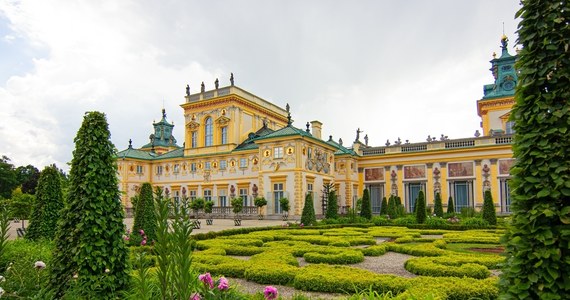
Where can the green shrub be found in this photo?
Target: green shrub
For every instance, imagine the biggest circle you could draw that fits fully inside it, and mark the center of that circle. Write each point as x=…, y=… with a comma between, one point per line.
x=384, y=207
x=145, y=217
x=450, y=206
x=340, y=244
x=308, y=217
x=472, y=236
x=438, y=206
x=341, y=279
x=475, y=223
x=271, y=273
x=434, y=266
x=344, y=257
x=375, y=250
x=380, y=221
x=440, y=243
x=48, y=204
x=489, y=214
x=451, y=288
x=89, y=239
x=366, y=211
x=468, y=212
x=405, y=239
x=332, y=205
x=420, y=208
x=416, y=250
x=405, y=221
x=436, y=222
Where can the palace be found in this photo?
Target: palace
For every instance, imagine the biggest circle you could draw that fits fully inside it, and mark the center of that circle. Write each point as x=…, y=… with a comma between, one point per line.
x=237, y=144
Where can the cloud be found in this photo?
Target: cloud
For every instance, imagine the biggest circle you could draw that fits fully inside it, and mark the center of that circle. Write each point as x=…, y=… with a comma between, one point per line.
x=392, y=69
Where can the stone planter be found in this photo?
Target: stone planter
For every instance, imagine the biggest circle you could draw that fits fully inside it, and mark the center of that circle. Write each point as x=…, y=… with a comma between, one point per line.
x=209, y=222
x=237, y=222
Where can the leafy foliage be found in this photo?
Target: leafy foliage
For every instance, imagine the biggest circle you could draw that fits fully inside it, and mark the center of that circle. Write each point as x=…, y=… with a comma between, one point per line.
x=47, y=207
x=538, y=242
x=89, y=240
x=28, y=177
x=308, y=217
x=489, y=209
x=384, y=208
x=21, y=204
x=145, y=216
x=237, y=205
x=284, y=202
x=421, y=208
x=438, y=206
x=8, y=178
x=366, y=211
x=260, y=202
x=332, y=205
x=450, y=205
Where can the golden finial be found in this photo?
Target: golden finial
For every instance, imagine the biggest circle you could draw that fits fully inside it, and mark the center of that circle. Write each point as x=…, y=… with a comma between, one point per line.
x=494, y=55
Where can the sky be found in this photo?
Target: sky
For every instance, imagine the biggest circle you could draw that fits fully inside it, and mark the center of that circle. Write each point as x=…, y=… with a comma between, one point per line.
x=404, y=69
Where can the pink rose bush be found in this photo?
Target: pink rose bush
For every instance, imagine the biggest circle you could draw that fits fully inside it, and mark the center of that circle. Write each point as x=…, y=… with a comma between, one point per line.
x=270, y=293
x=210, y=289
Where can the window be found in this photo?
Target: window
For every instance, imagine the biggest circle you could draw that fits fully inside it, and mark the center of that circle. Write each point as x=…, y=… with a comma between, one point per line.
x=193, y=195
x=223, y=198
x=139, y=169
x=223, y=164
x=243, y=162
x=193, y=167
x=462, y=193
x=277, y=195
x=505, y=195
x=176, y=169
x=376, y=195
x=158, y=170
x=509, y=127
x=208, y=134
x=243, y=196
x=176, y=197
x=278, y=152
x=208, y=195
x=309, y=152
x=207, y=165
x=309, y=187
x=194, y=139
x=224, y=134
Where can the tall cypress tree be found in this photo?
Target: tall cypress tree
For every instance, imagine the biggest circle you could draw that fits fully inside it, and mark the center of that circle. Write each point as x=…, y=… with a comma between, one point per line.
x=538, y=242
x=438, y=206
x=366, y=211
x=489, y=209
x=145, y=217
x=308, y=217
x=384, y=208
x=421, y=208
x=89, y=240
x=49, y=202
x=332, y=205
x=450, y=205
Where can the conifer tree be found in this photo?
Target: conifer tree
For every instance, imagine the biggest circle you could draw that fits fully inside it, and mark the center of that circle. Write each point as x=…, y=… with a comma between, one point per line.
x=450, y=205
x=145, y=217
x=392, y=207
x=384, y=208
x=489, y=209
x=332, y=205
x=89, y=239
x=421, y=208
x=438, y=206
x=308, y=217
x=49, y=202
x=537, y=243
x=366, y=211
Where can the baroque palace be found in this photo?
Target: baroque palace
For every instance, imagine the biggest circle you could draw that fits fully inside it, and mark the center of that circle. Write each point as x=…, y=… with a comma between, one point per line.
x=237, y=144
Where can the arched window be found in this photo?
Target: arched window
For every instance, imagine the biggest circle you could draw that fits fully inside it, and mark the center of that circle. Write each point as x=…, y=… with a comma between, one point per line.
x=209, y=132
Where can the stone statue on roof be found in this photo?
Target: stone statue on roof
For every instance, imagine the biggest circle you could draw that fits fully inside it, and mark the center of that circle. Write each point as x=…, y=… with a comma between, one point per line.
x=358, y=131
x=202, y=87
x=366, y=140
x=187, y=90
x=217, y=83
x=232, y=79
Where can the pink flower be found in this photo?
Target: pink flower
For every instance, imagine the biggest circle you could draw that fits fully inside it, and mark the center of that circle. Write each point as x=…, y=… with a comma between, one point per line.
x=196, y=296
x=40, y=265
x=270, y=293
x=126, y=237
x=207, y=280
x=223, y=284
x=302, y=225
x=141, y=232
x=143, y=242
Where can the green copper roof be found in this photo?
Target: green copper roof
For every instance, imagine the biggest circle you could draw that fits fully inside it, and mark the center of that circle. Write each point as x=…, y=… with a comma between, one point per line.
x=340, y=148
x=504, y=72
x=136, y=154
x=249, y=143
x=286, y=131
x=162, y=135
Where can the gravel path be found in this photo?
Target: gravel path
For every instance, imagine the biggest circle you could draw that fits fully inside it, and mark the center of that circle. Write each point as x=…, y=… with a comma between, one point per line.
x=389, y=263
x=285, y=291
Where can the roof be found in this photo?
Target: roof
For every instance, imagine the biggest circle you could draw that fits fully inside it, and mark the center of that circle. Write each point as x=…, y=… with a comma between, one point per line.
x=249, y=143
x=148, y=155
x=340, y=148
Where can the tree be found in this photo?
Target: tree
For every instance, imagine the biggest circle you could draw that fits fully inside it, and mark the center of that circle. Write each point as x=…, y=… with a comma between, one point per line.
x=332, y=205
x=308, y=217
x=384, y=208
x=237, y=207
x=284, y=202
x=28, y=177
x=366, y=211
x=537, y=243
x=8, y=179
x=47, y=207
x=260, y=202
x=489, y=209
x=89, y=239
x=450, y=206
x=438, y=205
x=392, y=207
x=145, y=216
x=421, y=208
x=21, y=205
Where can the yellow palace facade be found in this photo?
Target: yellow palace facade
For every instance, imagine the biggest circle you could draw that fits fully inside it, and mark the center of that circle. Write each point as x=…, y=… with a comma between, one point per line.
x=237, y=144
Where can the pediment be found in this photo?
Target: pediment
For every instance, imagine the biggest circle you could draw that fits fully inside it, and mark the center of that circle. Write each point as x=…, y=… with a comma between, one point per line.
x=193, y=125
x=222, y=120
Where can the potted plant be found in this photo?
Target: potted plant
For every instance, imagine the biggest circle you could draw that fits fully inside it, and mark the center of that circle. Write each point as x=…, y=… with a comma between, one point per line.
x=208, y=206
x=260, y=202
x=237, y=207
x=284, y=207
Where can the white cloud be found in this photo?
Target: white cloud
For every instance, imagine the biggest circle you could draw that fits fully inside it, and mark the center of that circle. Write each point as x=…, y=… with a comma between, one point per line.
x=390, y=69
